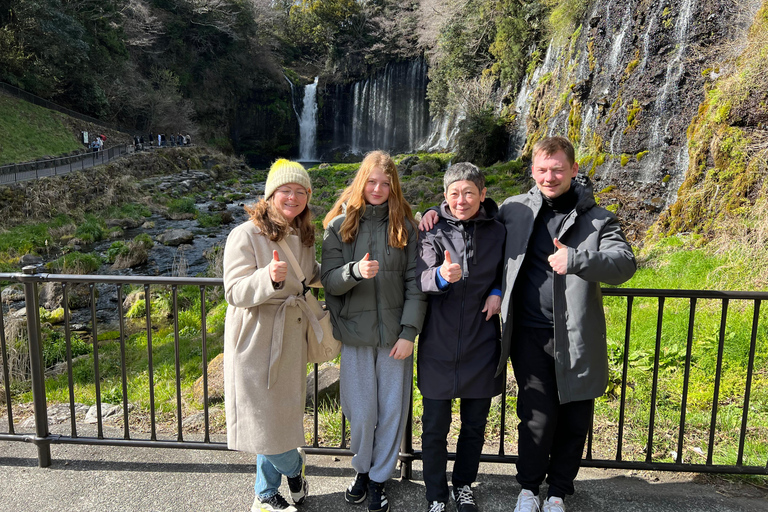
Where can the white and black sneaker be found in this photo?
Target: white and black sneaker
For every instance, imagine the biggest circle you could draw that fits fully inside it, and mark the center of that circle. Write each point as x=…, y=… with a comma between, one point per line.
x=377, y=498
x=357, y=490
x=298, y=484
x=275, y=503
x=465, y=499
x=436, y=506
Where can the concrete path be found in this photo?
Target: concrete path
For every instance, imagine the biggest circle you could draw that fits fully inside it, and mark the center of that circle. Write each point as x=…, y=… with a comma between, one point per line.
x=144, y=479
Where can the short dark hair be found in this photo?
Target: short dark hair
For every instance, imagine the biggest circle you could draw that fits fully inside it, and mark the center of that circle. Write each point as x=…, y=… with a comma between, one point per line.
x=551, y=145
x=463, y=171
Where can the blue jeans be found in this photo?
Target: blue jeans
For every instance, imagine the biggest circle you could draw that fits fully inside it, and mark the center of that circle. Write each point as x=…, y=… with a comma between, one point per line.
x=269, y=471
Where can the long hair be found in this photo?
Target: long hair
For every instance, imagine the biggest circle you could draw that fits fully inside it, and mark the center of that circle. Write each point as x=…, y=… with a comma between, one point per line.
x=354, y=198
x=275, y=226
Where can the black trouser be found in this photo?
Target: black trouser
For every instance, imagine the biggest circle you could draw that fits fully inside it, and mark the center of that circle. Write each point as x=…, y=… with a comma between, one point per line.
x=551, y=435
x=436, y=422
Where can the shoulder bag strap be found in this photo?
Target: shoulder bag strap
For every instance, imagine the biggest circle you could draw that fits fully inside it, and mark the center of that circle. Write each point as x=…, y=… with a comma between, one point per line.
x=294, y=263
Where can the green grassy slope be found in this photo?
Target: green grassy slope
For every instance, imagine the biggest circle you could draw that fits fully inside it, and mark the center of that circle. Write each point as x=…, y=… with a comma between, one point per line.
x=28, y=132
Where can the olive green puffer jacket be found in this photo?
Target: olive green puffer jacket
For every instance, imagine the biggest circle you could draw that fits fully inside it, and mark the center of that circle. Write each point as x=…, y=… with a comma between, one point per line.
x=372, y=312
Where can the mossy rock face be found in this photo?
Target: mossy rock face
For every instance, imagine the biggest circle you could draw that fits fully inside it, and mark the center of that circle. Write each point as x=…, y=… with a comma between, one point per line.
x=78, y=295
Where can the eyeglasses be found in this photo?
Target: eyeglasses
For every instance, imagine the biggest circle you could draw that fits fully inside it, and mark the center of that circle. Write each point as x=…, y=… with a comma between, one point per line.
x=287, y=192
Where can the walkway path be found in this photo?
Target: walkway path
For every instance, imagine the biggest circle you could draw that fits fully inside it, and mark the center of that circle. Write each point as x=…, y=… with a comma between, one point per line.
x=59, y=166
x=144, y=479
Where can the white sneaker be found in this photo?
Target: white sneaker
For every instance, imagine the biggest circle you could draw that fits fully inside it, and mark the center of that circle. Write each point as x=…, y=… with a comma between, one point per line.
x=553, y=504
x=527, y=502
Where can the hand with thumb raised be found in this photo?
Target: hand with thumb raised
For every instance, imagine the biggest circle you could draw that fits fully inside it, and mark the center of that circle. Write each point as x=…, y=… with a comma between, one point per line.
x=450, y=271
x=559, y=260
x=278, y=270
x=367, y=267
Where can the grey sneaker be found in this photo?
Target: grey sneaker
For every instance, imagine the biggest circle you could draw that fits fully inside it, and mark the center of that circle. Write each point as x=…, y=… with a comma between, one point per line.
x=298, y=484
x=465, y=499
x=553, y=504
x=436, y=506
x=275, y=503
x=527, y=502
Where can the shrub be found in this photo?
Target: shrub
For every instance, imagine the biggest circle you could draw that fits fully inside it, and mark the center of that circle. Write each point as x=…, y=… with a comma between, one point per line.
x=483, y=139
x=91, y=229
x=75, y=263
x=182, y=205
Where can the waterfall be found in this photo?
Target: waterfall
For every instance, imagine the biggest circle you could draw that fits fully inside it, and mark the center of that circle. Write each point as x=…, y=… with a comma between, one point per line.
x=308, y=123
x=387, y=110
x=293, y=98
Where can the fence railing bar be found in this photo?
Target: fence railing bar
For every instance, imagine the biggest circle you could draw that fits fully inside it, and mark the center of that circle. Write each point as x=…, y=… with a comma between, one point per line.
x=204, y=340
x=6, y=375
x=624, y=372
x=718, y=376
x=97, y=374
x=748, y=384
x=406, y=445
x=503, y=426
x=123, y=369
x=315, y=406
x=177, y=360
x=655, y=384
x=39, y=397
x=70, y=376
x=343, y=444
x=148, y=311
x=590, y=438
x=686, y=379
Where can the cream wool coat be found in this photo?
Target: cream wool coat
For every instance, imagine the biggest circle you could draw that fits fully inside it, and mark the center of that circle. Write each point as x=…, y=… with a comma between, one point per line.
x=263, y=418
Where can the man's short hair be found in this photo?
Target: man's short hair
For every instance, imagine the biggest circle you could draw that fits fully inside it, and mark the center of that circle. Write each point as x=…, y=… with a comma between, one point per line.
x=551, y=145
x=463, y=171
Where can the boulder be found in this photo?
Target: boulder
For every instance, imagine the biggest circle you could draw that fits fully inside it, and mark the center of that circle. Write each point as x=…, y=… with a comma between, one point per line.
x=52, y=296
x=327, y=385
x=175, y=237
x=215, y=382
x=13, y=293
x=30, y=259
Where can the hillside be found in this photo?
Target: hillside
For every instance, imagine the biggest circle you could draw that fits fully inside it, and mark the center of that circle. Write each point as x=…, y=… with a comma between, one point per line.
x=31, y=132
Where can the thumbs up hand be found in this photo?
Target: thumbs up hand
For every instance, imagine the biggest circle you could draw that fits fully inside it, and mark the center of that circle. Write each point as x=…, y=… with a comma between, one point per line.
x=278, y=270
x=450, y=271
x=367, y=267
x=559, y=260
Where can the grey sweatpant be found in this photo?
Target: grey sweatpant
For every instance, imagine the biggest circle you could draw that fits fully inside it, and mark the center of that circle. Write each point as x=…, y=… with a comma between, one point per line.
x=375, y=397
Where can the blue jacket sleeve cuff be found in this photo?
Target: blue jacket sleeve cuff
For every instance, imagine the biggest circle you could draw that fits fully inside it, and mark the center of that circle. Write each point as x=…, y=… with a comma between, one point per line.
x=495, y=291
x=442, y=284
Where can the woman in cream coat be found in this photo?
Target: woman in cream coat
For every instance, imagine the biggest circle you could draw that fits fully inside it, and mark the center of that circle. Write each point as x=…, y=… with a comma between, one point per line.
x=265, y=351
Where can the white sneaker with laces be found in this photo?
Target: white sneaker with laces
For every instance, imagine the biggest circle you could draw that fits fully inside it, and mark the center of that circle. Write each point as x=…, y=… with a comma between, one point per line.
x=436, y=506
x=527, y=502
x=553, y=504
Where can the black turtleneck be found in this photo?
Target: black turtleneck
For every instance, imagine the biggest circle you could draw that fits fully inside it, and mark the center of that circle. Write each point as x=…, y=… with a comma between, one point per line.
x=533, y=289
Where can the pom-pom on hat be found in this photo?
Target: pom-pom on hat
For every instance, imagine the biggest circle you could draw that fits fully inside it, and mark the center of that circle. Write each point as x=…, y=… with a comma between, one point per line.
x=283, y=172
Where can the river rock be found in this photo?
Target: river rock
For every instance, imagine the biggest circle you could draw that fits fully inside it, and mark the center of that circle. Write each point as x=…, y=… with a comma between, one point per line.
x=175, y=237
x=52, y=296
x=30, y=259
x=215, y=382
x=217, y=206
x=327, y=385
x=13, y=293
x=124, y=223
x=107, y=411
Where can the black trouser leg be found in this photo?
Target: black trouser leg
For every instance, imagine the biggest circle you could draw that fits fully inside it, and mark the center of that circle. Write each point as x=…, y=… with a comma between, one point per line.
x=436, y=422
x=551, y=435
x=474, y=416
x=573, y=421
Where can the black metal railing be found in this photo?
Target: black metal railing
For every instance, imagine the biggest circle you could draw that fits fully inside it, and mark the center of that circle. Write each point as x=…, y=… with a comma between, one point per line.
x=13, y=173
x=614, y=441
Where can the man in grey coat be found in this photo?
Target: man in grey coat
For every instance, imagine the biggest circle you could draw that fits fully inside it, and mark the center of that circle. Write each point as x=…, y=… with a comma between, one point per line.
x=559, y=247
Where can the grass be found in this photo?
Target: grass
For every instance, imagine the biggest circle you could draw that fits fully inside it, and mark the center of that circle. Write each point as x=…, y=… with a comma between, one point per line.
x=31, y=132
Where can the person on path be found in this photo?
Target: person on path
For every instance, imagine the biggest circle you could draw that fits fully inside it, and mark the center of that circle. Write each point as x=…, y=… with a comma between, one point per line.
x=369, y=276
x=265, y=333
x=560, y=246
x=460, y=270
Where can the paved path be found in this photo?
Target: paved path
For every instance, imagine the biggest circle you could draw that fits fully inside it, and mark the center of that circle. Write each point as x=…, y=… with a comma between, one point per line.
x=143, y=479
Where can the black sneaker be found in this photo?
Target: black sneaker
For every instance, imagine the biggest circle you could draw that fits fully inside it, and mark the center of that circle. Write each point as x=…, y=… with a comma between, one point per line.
x=436, y=506
x=465, y=499
x=358, y=489
x=298, y=484
x=377, y=498
x=275, y=503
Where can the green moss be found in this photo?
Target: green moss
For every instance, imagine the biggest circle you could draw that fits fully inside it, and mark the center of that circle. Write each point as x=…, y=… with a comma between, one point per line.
x=613, y=208
x=632, y=113
x=607, y=189
x=624, y=159
x=666, y=178
x=639, y=157
x=631, y=66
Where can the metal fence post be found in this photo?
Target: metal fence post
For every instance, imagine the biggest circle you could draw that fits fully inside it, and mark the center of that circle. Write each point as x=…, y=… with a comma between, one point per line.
x=37, y=367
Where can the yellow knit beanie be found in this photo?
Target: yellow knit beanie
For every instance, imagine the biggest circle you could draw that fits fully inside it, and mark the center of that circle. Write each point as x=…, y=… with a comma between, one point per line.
x=284, y=171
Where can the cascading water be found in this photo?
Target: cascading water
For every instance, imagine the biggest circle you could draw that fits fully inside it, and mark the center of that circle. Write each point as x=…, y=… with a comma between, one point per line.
x=308, y=123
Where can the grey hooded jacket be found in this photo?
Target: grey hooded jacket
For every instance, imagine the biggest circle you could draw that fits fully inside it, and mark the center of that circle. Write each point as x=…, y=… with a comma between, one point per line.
x=598, y=252
x=372, y=312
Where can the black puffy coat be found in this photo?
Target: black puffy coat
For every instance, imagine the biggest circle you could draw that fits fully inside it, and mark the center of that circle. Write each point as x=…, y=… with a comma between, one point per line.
x=458, y=349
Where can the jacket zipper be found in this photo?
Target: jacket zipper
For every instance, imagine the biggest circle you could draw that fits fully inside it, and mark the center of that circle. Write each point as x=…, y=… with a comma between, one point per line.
x=465, y=279
x=374, y=234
